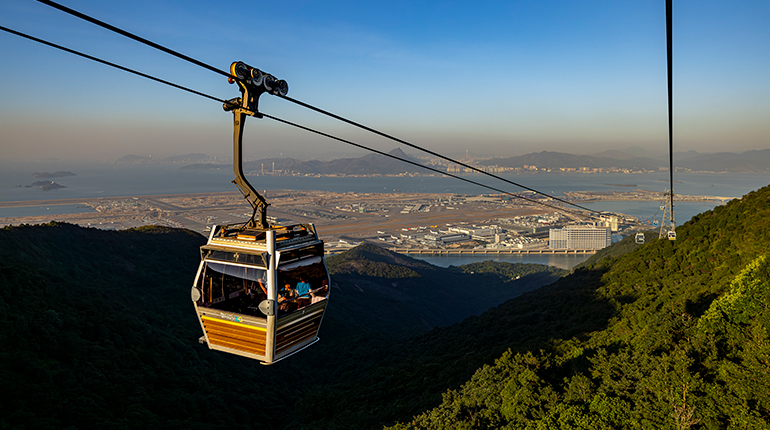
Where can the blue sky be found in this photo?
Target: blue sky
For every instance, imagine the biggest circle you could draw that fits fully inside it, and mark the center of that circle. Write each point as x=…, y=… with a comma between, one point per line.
x=496, y=78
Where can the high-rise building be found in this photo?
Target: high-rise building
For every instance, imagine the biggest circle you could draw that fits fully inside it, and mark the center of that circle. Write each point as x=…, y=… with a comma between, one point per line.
x=579, y=237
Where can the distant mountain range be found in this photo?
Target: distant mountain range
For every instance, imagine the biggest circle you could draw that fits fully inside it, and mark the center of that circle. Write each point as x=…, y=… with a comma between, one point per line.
x=186, y=158
x=746, y=162
x=57, y=174
x=372, y=164
x=757, y=161
x=555, y=160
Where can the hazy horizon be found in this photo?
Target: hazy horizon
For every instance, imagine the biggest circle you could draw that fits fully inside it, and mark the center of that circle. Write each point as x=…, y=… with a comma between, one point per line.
x=499, y=78
x=226, y=158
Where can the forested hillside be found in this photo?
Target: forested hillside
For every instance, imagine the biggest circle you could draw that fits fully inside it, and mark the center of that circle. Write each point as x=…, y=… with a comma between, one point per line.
x=97, y=330
x=674, y=335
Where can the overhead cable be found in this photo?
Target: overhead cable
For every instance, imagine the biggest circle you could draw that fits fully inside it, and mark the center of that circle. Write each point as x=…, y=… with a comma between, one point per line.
x=420, y=165
x=669, y=64
x=435, y=154
x=99, y=60
x=227, y=102
x=306, y=105
x=134, y=37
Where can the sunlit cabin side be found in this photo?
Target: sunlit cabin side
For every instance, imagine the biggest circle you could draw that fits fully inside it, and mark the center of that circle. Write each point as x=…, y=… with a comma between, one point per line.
x=261, y=293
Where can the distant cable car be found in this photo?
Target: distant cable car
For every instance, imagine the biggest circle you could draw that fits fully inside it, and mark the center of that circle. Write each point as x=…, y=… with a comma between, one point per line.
x=261, y=290
x=261, y=293
x=672, y=235
x=640, y=238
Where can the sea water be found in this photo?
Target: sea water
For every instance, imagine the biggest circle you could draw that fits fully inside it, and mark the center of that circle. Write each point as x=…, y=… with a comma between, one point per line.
x=95, y=180
x=23, y=211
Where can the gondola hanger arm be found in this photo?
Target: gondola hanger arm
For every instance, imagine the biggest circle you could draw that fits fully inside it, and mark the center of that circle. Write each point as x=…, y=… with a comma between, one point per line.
x=252, y=83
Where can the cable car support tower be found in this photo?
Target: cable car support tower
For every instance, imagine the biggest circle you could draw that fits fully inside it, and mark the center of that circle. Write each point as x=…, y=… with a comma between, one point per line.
x=667, y=224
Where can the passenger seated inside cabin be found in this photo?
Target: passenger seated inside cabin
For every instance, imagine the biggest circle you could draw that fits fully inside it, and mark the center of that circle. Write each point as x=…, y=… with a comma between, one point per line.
x=262, y=288
x=256, y=293
x=319, y=293
x=303, y=293
x=287, y=298
x=309, y=278
x=303, y=288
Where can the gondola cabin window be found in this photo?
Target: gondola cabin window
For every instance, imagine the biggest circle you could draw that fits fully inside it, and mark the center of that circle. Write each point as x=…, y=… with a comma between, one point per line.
x=301, y=283
x=232, y=288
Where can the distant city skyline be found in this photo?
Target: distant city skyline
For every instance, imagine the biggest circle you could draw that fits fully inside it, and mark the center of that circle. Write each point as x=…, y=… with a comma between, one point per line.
x=497, y=78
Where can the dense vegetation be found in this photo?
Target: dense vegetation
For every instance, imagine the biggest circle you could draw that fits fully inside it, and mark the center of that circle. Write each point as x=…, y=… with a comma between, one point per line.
x=97, y=331
x=682, y=341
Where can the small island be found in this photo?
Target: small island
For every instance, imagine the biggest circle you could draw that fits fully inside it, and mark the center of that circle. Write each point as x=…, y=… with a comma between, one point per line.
x=46, y=185
x=58, y=174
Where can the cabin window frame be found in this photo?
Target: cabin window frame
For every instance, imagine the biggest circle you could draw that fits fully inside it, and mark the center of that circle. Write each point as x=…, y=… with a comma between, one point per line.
x=229, y=294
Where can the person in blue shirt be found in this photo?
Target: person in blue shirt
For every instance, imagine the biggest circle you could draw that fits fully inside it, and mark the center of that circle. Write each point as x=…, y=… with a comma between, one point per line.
x=303, y=288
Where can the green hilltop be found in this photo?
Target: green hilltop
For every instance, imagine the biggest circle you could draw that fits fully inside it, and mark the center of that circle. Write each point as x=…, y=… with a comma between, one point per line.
x=680, y=338
x=97, y=331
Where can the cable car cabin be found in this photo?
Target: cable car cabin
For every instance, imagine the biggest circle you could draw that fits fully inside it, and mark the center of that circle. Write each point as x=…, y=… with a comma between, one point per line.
x=261, y=293
x=671, y=235
x=640, y=238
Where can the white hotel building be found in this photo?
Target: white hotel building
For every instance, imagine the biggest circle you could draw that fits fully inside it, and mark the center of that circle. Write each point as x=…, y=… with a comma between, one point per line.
x=579, y=237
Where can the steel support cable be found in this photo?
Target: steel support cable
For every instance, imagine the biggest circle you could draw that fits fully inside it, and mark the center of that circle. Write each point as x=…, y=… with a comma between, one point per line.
x=306, y=105
x=144, y=75
x=135, y=37
x=489, y=187
x=669, y=63
x=99, y=60
x=387, y=136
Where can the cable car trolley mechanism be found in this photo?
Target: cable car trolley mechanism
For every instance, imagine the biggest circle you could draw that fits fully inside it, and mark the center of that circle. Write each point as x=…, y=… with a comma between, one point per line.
x=261, y=290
